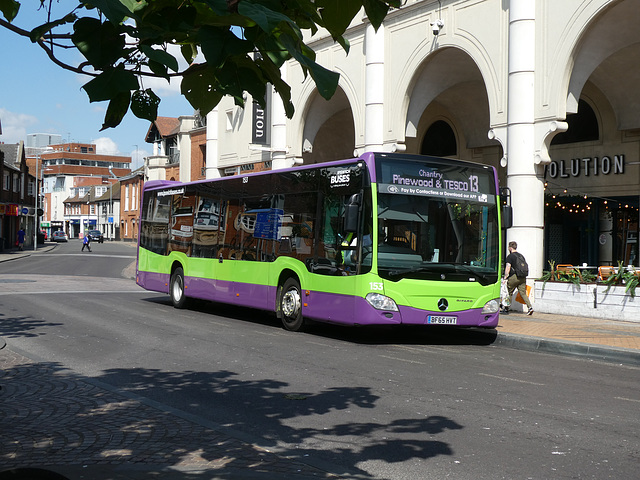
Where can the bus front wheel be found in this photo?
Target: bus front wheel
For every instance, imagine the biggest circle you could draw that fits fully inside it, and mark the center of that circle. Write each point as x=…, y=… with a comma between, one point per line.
x=291, y=305
x=176, y=288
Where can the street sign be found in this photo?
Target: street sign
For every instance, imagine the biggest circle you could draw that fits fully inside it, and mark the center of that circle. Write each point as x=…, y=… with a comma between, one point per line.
x=110, y=220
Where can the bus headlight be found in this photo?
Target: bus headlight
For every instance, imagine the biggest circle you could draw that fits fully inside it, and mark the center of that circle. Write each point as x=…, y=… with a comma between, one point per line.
x=492, y=306
x=381, y=302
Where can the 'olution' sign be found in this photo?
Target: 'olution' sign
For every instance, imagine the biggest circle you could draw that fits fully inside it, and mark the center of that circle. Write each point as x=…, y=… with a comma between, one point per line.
x=585, y=167
x=260, y=134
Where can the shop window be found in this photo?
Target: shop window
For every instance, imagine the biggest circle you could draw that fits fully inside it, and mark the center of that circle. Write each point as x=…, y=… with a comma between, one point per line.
x=440, y=140
x=583, y=126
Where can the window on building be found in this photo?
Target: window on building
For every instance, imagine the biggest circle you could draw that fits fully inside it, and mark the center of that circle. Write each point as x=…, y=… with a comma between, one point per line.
x=92, y=209
x=16, y=183
x=126, y=198
x=133, y=198
x=440, y=140
x=7, y=181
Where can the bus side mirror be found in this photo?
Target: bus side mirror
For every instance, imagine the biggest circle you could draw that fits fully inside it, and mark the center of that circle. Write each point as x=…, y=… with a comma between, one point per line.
x=507, y=211
x=507, y=216
x=351, y=211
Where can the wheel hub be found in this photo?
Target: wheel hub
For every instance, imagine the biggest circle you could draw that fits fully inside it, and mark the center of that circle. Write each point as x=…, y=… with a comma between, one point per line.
x=291, y=303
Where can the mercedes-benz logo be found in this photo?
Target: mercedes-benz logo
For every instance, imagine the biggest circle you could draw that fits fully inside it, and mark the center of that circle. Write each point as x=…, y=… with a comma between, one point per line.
x=443, y=304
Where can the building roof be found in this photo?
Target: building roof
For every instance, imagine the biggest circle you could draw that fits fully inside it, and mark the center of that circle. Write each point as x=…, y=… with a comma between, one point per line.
x=10, y=156
x=114, y=195
x=165, y=126
x=138, y=172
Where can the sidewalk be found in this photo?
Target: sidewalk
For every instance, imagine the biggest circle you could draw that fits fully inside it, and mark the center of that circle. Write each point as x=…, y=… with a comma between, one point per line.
x=15, y=254
x=593, y=338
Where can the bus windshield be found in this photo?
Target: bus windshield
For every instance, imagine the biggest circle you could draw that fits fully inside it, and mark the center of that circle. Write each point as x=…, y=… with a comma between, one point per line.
x=441, y=223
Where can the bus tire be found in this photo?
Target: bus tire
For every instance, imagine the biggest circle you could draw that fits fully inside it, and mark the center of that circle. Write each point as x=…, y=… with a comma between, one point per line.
x=290, y=305
x=176, y=288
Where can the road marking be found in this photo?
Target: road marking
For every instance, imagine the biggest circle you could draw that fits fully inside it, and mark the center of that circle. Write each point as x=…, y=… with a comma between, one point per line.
x=85, y=254
x=627, y=399
x=508, y=379
x=403, y=360
x=55, y=292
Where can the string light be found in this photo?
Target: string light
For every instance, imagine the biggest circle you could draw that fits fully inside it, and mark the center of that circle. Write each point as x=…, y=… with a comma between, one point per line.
x=609, y=204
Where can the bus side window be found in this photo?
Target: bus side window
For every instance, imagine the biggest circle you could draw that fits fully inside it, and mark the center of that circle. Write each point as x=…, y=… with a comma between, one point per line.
x=206, y=227
x=155, y=224
x=298, y=222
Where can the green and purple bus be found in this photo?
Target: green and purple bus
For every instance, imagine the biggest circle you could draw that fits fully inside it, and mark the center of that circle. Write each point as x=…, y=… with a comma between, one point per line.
x=380, y=239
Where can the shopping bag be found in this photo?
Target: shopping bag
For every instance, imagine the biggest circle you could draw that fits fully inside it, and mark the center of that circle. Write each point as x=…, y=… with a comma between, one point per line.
x=519, y=298
x=504, y=294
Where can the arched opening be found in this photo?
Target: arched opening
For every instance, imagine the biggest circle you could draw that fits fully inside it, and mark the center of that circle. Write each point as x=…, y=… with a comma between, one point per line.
x=329, y=130
x=583, y=126
x=439, y=140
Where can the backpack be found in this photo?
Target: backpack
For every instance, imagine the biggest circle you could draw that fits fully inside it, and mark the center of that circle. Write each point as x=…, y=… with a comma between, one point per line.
x=520, y=268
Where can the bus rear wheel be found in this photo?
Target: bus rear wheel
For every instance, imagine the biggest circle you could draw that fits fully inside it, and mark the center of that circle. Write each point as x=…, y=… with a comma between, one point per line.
x=290, y=305
x=176, y=288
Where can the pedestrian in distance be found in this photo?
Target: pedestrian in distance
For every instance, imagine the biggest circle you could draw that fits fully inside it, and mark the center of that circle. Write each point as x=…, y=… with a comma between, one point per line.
x=515, y=273
x=21, y=236
x=86, y=242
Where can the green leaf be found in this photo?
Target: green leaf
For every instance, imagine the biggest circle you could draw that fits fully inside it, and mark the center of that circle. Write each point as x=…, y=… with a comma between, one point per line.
x=377, y=10
x=160, y=56
x=219, y=7
x=116, y=110
x=116, y=11
x=9, y=9
x=338, y=14
x=144, y=104
x=102, y=44
x=218, y=44
x=198, y=87
x=110, y=83
x=189, y=52
x=267, y=19
x=326, y=80
x=272, y=72
x=253, y=81
x=158, y=69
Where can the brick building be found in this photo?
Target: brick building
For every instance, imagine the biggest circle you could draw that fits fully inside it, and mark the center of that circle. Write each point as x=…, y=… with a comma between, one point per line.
x=17, y=196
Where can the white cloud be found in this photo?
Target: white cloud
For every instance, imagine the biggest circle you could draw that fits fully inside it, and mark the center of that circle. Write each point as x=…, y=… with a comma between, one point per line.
x=15, y=125
x=106, y=146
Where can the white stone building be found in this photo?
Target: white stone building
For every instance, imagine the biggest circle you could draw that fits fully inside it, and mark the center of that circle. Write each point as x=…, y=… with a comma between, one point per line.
x=491, y=81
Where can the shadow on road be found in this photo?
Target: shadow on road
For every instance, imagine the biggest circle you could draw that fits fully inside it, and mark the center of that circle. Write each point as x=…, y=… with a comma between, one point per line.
x=366, y=335
x=68, y=419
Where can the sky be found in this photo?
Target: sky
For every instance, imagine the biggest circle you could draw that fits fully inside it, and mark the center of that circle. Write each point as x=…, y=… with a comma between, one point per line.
x=37, y=96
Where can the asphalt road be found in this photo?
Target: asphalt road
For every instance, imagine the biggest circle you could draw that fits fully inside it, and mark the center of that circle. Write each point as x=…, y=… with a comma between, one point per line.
x=381, y=403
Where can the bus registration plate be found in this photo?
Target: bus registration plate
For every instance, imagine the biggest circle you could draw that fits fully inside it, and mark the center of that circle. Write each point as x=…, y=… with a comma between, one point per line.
x=442, y=320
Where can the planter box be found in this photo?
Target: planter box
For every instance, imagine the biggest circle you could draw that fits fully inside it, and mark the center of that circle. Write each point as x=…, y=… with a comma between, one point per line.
x=587, y=300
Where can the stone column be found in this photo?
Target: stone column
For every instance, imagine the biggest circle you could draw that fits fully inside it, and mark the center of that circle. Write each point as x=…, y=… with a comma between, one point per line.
x=527, y=190
x=279, y=128
x=374, y=89
x=211, y=146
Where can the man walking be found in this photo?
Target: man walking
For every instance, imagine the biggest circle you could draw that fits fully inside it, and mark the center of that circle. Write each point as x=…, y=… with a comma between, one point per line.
x=86, y=242
x=21, y=236
x=515, y=273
